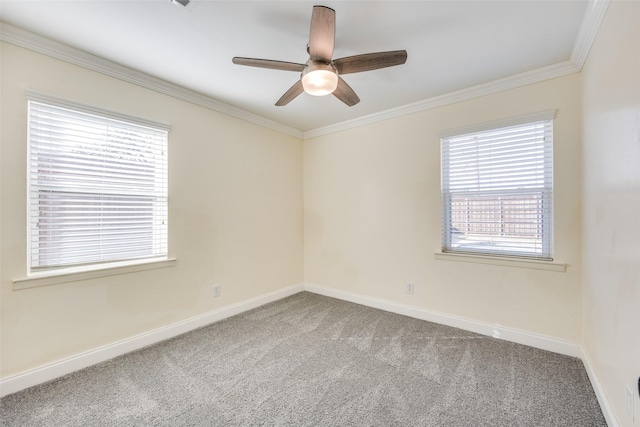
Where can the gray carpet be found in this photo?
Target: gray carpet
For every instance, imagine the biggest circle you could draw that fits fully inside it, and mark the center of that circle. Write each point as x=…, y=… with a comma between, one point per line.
x=309, y=360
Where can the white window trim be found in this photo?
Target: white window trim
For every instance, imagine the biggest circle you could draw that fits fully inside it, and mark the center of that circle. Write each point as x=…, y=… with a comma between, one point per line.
x=511, y=121
x=496, y=259
x=95, y=270
x=33, y=95
x=502, y=261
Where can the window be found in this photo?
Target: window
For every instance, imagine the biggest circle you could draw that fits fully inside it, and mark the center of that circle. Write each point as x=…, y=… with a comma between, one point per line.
x=97, y=187
x=497, y=189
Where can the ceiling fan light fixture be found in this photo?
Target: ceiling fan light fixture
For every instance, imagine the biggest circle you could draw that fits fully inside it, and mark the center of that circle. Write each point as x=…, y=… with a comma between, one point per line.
x=320, y=74
x=319, y=79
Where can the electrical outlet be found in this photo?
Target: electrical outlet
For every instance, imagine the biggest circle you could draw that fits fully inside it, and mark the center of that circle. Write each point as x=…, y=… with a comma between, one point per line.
x=629, y=402
x=410, y=288
x=216, y=291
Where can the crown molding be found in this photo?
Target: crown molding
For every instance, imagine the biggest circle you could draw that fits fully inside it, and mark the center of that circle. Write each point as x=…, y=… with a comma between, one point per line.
x=594, y=14
x=45, y=46
x=511, y=82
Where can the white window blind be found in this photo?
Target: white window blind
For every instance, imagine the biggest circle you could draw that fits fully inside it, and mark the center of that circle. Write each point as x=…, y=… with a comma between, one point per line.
x=97, y=187
x=497, y=190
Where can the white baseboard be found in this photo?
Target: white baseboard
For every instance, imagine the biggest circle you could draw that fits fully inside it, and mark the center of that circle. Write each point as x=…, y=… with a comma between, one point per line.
x=607, y=411
x=509, y=334
x=74, y=363
x=497, y=331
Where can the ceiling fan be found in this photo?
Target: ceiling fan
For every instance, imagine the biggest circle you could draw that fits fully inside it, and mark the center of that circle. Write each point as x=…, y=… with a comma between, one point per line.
x=321, y=74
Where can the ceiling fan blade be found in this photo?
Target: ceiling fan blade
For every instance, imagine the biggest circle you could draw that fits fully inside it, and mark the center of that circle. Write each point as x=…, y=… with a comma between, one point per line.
x=322, y=34
x=289, y=95
x=268, y=63
x=345, y=94
x=370, y=61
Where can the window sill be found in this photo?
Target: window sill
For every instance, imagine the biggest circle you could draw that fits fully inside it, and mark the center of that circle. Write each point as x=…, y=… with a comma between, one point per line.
x=505, y=262
x=69, y=275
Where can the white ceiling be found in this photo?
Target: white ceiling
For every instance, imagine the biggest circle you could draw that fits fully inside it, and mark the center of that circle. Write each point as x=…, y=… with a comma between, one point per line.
x=452, y=46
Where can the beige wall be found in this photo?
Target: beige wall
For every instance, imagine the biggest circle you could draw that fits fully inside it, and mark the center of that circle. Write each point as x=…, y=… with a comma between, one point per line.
x=235, y=219
x=611, y=205
x=372, y=216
